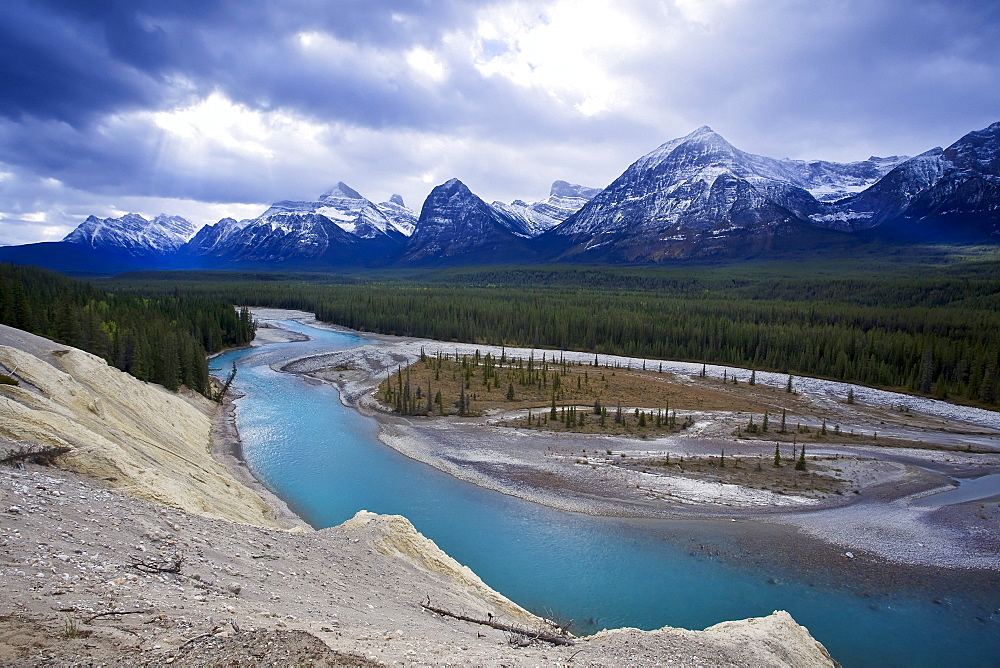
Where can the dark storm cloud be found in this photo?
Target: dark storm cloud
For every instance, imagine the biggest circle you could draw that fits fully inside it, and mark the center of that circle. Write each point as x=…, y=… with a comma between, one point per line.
x=72, y=60
x=54, y=67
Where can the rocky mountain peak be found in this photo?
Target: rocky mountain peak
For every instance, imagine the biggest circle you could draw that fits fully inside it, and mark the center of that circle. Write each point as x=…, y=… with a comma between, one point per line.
x=565, y=189
x=133, y=234
x=454, y=221
x=340, y=191
x=978, y=150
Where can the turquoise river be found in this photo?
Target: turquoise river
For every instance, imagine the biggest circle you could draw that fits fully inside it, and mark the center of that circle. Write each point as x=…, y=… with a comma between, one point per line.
x=326, y=462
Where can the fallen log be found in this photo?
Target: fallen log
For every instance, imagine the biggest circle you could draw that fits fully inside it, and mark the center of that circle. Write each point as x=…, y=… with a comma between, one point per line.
x=532, y=634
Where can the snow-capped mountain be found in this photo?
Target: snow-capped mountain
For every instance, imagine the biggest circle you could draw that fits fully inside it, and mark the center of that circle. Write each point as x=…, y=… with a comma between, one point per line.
x=403, y=218
x=832, y=181
x=951, y=193
x=694, y=196
x=133, y=234
x=288, y=236
x=456, y=223
x=339, y=226
x=215, y=236
x=350, y=211
x=699, y=194
x=564, y=200
x=687, y=190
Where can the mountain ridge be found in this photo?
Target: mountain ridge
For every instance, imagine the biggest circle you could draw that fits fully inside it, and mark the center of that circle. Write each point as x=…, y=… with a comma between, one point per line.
x=691, y=197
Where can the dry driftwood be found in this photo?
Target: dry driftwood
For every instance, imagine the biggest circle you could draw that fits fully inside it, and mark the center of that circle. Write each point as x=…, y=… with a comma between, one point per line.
x=34, y=453
x=532, y=634
x=114, y=612
x=167, y=567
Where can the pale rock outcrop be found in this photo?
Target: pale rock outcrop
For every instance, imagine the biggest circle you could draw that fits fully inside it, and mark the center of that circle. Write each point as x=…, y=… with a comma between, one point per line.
x=146, y=441
x=394, y=536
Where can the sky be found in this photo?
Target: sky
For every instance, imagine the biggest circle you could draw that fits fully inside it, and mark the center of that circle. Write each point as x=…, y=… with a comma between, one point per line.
x=214, y=108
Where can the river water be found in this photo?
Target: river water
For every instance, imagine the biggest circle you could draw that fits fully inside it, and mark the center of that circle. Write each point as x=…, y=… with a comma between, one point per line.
x=326, y=462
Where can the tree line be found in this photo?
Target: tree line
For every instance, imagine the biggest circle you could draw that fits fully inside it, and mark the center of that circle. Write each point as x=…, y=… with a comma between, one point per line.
x=162, y=339
x=928, y=332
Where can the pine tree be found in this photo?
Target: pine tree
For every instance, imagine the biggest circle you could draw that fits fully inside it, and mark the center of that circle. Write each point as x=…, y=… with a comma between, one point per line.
x=510, y=392
x=777, y=455
x=800, y=465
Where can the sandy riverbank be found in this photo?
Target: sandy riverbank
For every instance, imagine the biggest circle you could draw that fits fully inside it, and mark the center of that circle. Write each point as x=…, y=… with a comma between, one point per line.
x=871, y=513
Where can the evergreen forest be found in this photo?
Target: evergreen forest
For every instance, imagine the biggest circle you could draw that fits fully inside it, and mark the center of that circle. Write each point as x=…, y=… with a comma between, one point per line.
x=162, y=339
x=925, y=327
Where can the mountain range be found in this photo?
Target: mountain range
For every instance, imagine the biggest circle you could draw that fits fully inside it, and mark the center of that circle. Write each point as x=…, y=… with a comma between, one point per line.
x=696, y=196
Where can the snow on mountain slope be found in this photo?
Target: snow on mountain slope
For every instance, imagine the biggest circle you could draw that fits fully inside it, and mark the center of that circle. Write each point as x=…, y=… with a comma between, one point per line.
x=564, y=200
x=215, y=236
x=349, y=210
x=952, y=192
x=286, y=235
x=340, y=226
x=696, y=184
x=832, y=181
x=133, y=234
x=689, y=194
x=455, y=222
x=403, y=218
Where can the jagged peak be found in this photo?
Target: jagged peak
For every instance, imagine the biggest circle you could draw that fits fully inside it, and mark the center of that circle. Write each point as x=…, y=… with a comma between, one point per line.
x=703, y=136
x=397, y=199
x=341, y=190
x=453, y=188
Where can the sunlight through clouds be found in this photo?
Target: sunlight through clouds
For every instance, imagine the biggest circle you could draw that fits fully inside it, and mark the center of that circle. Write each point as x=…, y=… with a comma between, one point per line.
x=216, y=120
x=569, y=50
x=426, y=63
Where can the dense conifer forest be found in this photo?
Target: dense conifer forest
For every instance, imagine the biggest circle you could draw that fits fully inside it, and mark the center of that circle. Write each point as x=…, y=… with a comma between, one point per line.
x=163, y=339
x=930, y=329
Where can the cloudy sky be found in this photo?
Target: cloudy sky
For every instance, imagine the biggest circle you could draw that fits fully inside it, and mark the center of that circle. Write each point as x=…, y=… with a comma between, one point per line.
x=209, y=108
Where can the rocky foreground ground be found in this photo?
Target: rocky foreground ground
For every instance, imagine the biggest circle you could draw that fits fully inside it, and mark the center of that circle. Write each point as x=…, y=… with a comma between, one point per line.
x=94, y=576
x=149, y=552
